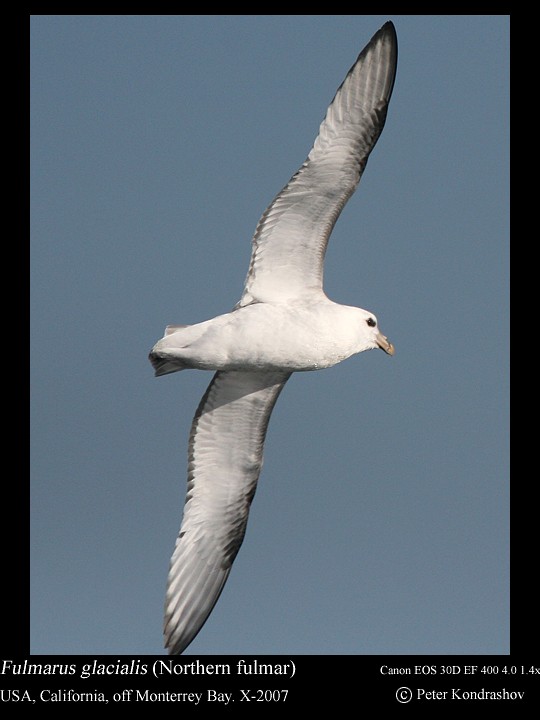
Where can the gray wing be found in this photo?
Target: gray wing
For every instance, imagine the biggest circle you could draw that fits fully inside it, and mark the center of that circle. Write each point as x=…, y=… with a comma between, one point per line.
x=225, y=459
x=291, y=237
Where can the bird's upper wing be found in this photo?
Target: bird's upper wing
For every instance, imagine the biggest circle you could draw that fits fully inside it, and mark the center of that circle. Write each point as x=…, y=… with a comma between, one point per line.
x=291, y=237
x=225, y=458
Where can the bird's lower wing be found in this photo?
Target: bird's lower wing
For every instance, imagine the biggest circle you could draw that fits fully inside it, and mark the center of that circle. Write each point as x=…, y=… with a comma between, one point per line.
x=225, y=459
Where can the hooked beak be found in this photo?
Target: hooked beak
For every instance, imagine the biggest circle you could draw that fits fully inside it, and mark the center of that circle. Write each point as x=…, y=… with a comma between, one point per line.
x=385, y=344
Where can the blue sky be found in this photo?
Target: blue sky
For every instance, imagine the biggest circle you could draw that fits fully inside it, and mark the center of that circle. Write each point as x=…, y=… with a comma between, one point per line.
x=380, y=524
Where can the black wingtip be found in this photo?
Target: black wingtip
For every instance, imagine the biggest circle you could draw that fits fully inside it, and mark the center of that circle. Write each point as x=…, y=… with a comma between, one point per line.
x=388, y=29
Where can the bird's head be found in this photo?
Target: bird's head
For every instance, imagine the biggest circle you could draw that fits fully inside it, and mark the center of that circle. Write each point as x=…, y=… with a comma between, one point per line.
x=375, y=338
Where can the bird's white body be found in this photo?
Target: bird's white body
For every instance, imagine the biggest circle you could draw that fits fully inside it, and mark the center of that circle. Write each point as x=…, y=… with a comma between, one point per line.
x=306, y=335
x=282, y=324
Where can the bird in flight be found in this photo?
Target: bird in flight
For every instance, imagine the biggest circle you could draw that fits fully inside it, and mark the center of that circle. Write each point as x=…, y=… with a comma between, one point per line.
x=283, y=323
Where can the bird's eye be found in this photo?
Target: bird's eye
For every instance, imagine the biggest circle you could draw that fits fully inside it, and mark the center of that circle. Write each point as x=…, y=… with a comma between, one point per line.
x=371, y=322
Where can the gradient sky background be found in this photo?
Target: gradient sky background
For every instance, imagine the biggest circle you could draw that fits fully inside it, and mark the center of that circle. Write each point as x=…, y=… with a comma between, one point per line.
x=380, y=524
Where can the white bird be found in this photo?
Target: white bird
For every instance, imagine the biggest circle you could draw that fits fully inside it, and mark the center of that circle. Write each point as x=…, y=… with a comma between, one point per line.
x=282, y=324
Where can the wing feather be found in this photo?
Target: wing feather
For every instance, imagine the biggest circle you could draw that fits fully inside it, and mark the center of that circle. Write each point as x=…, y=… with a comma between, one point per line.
x=290, y=240
x=225, y=459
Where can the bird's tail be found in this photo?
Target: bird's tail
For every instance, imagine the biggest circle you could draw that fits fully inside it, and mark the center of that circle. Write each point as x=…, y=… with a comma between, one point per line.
x=163, y=363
